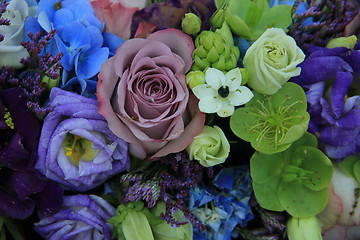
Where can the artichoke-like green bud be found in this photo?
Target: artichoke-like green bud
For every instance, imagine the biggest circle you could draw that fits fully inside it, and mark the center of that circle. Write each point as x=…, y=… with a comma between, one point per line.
x=191, y=24
x=195, y=78
x=214, y=50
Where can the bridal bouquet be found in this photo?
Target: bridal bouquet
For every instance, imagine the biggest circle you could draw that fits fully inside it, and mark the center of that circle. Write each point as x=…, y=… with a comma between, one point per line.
x=179, y=119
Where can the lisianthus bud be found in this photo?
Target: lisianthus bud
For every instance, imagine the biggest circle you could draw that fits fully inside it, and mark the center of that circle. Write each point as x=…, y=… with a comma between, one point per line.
x=195, y=78
x=191, y=24
x=218, y=18
x=304, y=229
x=348, y=42
x=210, y=147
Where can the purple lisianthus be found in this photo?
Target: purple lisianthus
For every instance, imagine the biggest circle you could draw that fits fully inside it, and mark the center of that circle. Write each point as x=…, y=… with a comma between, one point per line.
x=76, y=147
x=330, y=78
x=81, y=217
x=21, y=187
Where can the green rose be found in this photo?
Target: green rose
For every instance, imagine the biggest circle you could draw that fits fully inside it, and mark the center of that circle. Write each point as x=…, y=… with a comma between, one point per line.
x=210, y=147
x=272, y=60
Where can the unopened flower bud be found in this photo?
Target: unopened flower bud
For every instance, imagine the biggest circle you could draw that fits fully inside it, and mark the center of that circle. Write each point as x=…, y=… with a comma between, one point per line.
x=191, y=24
x=195, y=78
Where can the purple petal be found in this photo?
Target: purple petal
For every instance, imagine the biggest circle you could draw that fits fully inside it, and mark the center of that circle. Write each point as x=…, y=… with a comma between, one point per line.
x=327, y=112
x=12, y=207
x=338, y=92
x=336, y=136
x=49, y=200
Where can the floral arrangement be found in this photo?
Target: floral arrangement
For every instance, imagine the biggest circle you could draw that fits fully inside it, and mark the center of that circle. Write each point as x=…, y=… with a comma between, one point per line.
x=179, y=119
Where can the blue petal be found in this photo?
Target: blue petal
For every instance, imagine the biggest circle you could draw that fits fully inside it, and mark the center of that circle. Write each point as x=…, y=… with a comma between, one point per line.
x=89, y=63
x=76, y=35
x=48, y=7
x=62, y=17
x=96, y=37
x=112, y=42
x=225, y=179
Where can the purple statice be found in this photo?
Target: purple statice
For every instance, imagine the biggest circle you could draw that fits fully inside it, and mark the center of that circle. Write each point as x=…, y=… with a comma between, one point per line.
x=3, y=21
x=224, y=204
x=320, y=21
x=330, y=78
x=76, y=147
x=22, y=188
x=80, y=217
x=37, y=66
x=169, y=180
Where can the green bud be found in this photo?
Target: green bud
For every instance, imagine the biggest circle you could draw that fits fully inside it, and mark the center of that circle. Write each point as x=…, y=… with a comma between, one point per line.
x=191, y=24
x=218, y=18
x=348, y=42
x=195, y=78
x=303, y=229
x=244, y=76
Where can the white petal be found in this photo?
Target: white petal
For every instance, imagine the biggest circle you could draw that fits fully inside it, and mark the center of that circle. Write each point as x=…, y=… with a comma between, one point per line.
x=227, y=109
x=214, y=77
x=240, y=97
x=204, y=90
x=233, y=78
x=209, y=104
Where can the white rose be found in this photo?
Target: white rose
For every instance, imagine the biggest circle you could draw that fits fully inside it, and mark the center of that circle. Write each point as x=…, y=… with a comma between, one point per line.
x=11, y=52
x=272, y=60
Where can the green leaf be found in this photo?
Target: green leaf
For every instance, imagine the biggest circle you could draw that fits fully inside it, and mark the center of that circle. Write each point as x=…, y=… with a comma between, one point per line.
x=299, y=201
x=14, y=229
x=136, y=227
x=267, y=194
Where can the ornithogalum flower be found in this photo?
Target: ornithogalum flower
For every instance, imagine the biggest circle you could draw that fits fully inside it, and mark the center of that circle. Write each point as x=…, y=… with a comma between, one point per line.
x=221, y=93
x=76, y=147
x=80, y=217
x=272, y=123
x=21, y=187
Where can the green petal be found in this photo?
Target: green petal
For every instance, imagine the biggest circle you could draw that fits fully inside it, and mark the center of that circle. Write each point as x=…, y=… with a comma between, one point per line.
x=264, y=167
x=347, y=165
x=299, y=201
x=267, y=194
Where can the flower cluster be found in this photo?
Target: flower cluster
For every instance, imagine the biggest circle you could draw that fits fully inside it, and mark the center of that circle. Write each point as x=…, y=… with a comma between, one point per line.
x=179, y=119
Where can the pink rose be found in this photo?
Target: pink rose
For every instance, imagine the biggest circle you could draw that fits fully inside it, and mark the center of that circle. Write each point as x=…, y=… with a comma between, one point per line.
x=143, y=95
x=117, y=15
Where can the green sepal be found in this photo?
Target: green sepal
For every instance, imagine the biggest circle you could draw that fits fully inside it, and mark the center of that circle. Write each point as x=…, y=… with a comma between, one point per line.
x=347, y=165
x=299, y=201
x=267, y=194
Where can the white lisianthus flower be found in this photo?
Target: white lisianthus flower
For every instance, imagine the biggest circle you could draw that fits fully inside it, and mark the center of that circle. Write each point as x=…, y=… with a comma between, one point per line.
x=222, y=93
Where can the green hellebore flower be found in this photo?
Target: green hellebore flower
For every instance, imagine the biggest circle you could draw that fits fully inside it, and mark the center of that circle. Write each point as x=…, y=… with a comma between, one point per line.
x=165, y=231
x=210, y=147
x=191, y=24
x=272, y=123
x=303, y=229
x=250, y=18
x=295, y=180
x=133, y=222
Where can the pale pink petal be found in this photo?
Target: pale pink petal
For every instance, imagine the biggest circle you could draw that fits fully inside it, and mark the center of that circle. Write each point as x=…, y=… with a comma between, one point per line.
x=179, y=42
x=192, y=129
x=144, y=30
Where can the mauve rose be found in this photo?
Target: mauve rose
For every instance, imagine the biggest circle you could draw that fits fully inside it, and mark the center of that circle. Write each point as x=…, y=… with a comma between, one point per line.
x=143, y=95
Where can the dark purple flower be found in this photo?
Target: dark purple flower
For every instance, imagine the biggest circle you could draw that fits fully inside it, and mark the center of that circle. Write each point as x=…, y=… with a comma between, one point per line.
x=330, y=78
x=76, y=147
x=81, y=217
x=21, y=187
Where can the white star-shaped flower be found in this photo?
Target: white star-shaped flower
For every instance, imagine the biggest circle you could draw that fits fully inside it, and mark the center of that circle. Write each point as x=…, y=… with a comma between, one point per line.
x=221, y=93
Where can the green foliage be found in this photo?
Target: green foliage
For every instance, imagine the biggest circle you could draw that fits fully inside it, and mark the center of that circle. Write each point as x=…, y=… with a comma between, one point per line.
x=295, y=180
